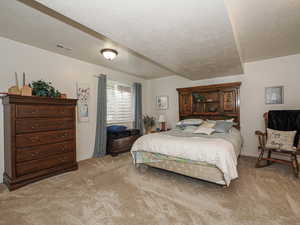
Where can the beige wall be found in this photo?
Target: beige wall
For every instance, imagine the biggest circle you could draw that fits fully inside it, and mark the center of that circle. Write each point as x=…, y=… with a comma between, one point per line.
x=258, y=75
x=63, y=72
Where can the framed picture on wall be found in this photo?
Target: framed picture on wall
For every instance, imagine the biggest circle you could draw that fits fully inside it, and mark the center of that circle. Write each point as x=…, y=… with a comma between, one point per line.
x=274, y=95
x=83, y=95
x=162, y=102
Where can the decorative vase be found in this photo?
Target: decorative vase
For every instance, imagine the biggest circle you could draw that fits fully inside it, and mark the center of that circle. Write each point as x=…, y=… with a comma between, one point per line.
x=148, y=130
x=63, y=95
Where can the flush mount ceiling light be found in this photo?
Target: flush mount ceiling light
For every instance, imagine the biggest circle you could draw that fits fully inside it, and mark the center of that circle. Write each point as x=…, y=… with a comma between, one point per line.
x=109, y=53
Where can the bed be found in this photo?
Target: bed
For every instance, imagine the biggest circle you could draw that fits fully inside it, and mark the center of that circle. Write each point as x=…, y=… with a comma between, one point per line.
x=212, y=158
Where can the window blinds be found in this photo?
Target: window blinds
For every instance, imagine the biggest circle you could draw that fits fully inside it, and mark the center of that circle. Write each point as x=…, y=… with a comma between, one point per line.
x=119, y=103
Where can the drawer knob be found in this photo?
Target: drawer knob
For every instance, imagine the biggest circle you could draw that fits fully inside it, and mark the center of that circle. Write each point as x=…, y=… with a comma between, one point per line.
x=63, y=159
x=34, y=126
x=34, y=139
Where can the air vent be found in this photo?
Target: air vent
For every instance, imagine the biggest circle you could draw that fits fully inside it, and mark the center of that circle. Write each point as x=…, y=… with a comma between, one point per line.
x=63, y=47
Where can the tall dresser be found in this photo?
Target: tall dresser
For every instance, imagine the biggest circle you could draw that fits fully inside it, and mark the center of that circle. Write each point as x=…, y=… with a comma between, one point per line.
x=39, y=138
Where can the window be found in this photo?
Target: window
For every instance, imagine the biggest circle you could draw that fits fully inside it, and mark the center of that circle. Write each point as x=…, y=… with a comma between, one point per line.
x=119, y=103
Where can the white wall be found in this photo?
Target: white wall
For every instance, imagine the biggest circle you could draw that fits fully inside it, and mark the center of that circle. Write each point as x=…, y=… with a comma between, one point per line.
x=258, y=75
x=63, y=72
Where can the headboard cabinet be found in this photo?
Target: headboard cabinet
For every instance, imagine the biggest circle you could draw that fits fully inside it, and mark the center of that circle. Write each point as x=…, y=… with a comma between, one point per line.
x=185, y=102
x=220, y=101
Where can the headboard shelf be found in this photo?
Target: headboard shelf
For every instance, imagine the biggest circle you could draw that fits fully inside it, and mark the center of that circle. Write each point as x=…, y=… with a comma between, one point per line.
x=219, y=101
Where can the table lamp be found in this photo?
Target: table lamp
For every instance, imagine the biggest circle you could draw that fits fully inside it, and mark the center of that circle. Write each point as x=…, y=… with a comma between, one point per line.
x=162, y=121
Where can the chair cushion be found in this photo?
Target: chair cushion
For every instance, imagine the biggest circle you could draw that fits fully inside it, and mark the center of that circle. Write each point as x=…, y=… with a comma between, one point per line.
x=280, y=139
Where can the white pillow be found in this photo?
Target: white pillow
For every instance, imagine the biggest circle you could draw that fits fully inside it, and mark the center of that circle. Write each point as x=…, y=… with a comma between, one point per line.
x=228, y=120
x=204, y=130
x=186, y=122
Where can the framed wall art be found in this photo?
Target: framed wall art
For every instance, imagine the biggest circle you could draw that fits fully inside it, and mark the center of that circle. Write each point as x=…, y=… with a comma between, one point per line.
x=83, y=95
x=162, y=102
x=274, y=95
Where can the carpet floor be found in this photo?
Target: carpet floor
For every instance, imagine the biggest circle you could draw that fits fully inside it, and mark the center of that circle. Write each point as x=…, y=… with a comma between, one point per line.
x=110, y=191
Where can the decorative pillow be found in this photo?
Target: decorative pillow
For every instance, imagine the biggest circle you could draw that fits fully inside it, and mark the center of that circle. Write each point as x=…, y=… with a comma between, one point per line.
x=190, y=129
x=116, y=128
x=280, y=139
x=209, y=124
x=204, y=130
x=223, y=126
x=190, y=122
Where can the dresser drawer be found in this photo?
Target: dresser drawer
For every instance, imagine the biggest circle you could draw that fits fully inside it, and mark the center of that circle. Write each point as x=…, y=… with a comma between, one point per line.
x=43, y=151
x=37, y=165
x=33, y=125
x=32, y=111
x=33, y=139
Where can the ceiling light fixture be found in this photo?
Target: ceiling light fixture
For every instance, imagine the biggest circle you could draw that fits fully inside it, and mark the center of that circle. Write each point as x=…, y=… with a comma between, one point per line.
x=109, y=53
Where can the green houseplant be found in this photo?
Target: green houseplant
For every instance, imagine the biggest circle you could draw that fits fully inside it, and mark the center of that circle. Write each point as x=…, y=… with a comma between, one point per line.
x=44, y=89
x=149, y=123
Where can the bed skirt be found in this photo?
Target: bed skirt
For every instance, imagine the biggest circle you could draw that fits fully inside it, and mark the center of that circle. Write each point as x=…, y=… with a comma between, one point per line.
x=199, y=170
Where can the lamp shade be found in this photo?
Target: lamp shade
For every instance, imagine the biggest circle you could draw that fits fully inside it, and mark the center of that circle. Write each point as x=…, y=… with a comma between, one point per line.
x=161, y=119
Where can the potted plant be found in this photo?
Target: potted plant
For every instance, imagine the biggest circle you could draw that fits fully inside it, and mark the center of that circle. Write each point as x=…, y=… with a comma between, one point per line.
x=149, y=123
x=44, y=89
x=198, y=97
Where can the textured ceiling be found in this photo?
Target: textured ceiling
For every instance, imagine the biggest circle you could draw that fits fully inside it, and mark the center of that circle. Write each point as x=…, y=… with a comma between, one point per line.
x=22, y=23
x=266, y=28
x=193, y=38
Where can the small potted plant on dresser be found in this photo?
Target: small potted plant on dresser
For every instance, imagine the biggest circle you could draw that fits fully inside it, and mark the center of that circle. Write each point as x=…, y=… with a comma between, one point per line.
x=149, y=123
x=44, y=89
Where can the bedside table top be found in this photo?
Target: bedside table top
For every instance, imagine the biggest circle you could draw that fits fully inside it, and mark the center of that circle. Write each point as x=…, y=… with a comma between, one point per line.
x=155, y=131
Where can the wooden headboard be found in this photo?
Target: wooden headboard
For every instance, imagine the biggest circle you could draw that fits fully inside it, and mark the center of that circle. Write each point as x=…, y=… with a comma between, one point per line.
x=216, y=102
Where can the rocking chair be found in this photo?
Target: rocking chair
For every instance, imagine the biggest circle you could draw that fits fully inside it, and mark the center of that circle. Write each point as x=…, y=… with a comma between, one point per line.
x=262, y=138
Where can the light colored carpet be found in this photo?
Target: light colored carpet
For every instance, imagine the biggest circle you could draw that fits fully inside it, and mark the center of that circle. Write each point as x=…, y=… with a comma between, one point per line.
x=111, y=191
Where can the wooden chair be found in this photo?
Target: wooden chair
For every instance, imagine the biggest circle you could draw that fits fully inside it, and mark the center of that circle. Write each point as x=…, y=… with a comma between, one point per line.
x=262, y=138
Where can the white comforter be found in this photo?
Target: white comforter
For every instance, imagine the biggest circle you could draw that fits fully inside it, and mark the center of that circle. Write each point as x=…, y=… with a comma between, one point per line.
x=216, y=151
